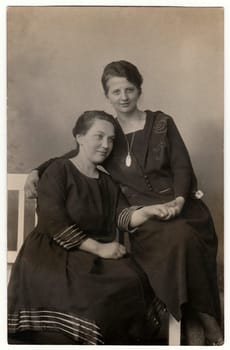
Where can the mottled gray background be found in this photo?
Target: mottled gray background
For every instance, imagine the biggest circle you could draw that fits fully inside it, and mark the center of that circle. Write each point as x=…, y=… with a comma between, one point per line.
x=55, y=58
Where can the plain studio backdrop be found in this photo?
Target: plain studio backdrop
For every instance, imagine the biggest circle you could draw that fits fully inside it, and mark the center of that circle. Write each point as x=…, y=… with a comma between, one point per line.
x=55, y=58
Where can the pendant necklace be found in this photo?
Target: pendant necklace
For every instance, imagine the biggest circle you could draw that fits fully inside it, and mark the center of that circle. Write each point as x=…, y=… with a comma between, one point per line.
x=128, y=159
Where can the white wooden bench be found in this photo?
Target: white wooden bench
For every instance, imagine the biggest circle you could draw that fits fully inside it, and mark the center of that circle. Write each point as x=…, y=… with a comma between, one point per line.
x=15, y=182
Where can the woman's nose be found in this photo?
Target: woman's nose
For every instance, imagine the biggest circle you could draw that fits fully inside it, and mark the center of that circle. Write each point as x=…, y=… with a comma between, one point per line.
x=105, y=143
x=123, y=95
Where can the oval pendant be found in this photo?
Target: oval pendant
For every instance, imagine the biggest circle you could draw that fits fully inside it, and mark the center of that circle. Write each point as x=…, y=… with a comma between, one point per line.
x=128, y=160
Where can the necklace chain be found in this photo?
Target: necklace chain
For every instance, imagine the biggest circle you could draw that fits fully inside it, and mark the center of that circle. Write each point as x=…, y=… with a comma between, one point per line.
x=128, y=159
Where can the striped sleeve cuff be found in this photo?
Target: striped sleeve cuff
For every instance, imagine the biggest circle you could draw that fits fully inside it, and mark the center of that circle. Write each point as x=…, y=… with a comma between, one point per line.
x=124, y=218
x=71, y=237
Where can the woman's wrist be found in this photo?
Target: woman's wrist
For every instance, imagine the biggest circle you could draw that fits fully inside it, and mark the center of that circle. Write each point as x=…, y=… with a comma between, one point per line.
x=145, y=213
x=91, y=246
x=139, y=216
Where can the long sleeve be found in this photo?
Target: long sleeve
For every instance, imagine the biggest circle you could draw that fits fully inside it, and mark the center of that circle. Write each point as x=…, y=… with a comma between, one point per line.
x=181, y=167
x=53, y=217
x=124, y=213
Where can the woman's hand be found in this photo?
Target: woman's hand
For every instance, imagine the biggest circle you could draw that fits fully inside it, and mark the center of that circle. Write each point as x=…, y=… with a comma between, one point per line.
x=157, y=211
x=113, y=250
x=143, y=214
x=164, y=211
x=31, y=184
x=173, y=208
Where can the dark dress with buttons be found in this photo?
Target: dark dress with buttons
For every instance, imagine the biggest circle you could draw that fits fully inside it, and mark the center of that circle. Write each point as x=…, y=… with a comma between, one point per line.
x=55, y=287
x=179, y=256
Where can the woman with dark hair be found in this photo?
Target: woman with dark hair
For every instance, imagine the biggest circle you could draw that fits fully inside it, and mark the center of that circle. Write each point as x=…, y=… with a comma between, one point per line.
x=152, y=166
x=73, y=282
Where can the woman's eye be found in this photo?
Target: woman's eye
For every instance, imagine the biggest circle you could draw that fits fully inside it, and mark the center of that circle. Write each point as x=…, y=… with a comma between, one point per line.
x=116, y=92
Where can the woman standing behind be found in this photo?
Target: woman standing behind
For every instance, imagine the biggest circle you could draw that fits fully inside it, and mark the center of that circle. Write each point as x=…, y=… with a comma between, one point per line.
x=72, y=282
x=152, y=165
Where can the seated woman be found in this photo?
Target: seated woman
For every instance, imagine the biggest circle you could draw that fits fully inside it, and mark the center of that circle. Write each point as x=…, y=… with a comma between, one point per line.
x=152, y=165
x=72, y=282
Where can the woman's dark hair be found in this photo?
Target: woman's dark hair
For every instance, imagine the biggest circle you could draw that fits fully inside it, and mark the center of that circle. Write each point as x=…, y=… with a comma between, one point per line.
x=87, y=119
x=122, y=69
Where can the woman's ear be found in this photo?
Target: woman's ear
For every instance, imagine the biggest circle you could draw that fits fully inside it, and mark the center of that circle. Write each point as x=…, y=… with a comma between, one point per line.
x=78, y=139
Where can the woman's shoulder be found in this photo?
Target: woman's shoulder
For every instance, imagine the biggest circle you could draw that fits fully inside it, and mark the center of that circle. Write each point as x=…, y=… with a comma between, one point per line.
x=158, y=115
x=55, y=173
x=159, y=120
x=57, y=166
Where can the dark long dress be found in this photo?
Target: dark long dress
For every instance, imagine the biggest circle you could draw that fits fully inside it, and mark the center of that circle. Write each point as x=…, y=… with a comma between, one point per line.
x=179, y=256
x=54, y=286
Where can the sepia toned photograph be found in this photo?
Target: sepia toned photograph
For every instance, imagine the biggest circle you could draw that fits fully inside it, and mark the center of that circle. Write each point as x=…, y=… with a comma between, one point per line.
x=115, y=175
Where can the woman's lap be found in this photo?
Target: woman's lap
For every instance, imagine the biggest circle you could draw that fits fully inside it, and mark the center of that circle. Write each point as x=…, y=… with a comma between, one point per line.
x=180, y=261
x=108, y=292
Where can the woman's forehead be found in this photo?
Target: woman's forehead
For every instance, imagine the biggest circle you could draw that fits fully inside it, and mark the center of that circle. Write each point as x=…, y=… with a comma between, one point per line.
x=118, y=82
x=102, y=125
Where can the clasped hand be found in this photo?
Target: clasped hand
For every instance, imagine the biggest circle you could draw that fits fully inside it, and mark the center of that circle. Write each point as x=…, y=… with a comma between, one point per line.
x=166, y=211
x=113, y=250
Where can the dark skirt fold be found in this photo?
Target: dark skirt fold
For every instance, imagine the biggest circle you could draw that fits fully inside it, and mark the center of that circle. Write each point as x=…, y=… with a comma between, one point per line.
x=179, y=257
x=88, y=299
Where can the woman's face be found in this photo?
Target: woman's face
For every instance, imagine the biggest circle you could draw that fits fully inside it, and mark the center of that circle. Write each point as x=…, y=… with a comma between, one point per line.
x=122, y=94
x=97, y=143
